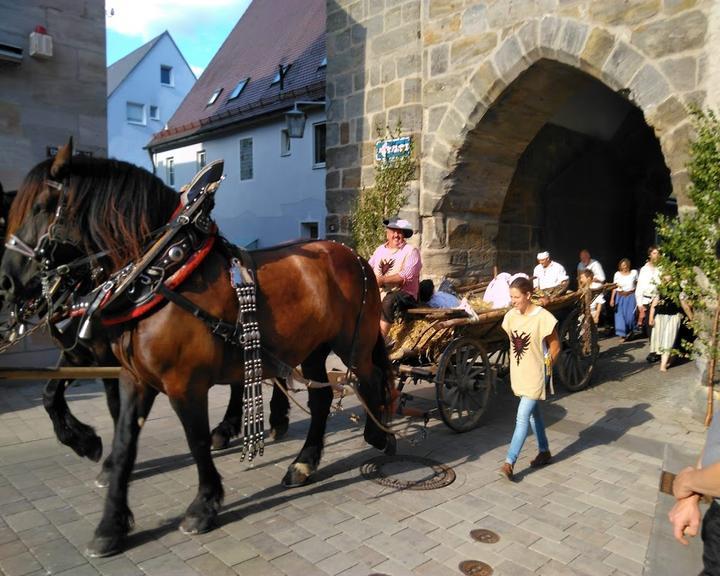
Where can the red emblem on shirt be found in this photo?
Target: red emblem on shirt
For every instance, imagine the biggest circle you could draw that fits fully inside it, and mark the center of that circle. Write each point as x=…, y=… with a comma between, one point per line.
x=386, y=266
x=520, y=343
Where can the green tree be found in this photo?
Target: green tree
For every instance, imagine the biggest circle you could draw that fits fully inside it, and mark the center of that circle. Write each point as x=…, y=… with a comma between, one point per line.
x=688, y=243
x=384, y=199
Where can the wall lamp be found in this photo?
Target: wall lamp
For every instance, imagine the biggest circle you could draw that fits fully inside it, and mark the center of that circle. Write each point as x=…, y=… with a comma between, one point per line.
x=295, y=118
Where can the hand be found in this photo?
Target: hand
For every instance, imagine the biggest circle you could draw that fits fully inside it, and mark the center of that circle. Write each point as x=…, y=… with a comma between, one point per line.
x=685, y=518
x=612, y=303
x=381, y=281
x=682, y=481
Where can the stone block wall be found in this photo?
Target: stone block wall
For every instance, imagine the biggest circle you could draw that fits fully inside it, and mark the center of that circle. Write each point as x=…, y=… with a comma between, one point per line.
x=443, y=65
x=45, y=101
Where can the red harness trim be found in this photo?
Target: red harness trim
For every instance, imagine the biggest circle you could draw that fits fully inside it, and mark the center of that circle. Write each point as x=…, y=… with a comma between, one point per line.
x=173, y=282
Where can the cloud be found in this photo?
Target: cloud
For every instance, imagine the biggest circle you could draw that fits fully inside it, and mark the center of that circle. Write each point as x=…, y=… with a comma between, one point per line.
x=197, y=70
x=148, y=18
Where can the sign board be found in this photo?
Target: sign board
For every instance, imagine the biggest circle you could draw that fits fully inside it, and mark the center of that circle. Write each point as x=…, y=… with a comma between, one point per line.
x=393, y=148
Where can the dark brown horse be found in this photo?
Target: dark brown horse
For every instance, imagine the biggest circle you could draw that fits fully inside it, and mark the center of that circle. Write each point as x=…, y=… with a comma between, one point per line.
x=70, y=431
x=313, y=299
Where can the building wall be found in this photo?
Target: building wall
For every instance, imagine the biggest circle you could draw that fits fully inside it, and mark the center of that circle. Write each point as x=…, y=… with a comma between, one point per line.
x=445, y=68
x=126, y=140
x=285, y=191
x=44, y=102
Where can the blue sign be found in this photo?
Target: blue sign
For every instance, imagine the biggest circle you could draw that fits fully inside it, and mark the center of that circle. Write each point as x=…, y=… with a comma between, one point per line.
x=394, y=148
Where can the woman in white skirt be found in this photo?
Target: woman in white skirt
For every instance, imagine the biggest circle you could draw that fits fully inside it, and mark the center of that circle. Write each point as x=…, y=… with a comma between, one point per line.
x=665, y=318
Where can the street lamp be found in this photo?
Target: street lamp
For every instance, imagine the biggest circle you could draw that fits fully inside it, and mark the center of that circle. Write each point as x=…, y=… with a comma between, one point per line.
x=295, y=118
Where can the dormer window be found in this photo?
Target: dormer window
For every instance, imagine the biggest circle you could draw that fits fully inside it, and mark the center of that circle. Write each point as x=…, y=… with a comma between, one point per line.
x=282, y=71
x=323, y=63
x=239, y=88
x=214, y=97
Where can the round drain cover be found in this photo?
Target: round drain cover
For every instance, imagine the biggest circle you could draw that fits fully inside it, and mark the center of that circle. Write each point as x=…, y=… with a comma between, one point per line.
x=408, y=472
x=475, y=568
x=484, y=536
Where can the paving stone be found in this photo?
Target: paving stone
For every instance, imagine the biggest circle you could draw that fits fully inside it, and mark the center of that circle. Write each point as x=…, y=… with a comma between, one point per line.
x=292, y=563
x=523, y=556
x=119, y=566
x=209, y=564
x=167, y=565
x=257, y=567
x=232, y=551
x=624, y=565
x=557, y=550
x=19, y=565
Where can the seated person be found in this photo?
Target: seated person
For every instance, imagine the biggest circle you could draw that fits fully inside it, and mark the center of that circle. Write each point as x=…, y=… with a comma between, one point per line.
x=397, y=268
x=497, y=293
x=427, y=295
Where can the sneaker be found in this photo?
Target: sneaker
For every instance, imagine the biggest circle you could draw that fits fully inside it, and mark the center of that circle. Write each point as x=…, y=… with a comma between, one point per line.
x=542, y=459
x=506, y=470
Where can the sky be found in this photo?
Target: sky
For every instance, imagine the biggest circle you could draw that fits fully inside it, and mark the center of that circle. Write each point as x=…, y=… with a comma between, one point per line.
x=199, y=27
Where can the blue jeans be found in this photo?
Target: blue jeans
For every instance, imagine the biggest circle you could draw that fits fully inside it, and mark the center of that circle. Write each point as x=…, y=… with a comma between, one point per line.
x=528, y=413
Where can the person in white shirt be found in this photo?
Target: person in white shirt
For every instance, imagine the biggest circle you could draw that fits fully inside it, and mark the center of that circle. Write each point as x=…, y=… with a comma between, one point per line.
x=623, y=298
x=646, y=290
x=587, y=263
x=549, y=275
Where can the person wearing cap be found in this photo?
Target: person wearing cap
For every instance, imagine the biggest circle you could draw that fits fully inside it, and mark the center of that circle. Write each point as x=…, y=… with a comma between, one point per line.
x=549, y=275
x=397, y=266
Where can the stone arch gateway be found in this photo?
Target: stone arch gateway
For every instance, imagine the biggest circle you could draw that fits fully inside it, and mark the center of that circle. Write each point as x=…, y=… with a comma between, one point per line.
x=513, y=105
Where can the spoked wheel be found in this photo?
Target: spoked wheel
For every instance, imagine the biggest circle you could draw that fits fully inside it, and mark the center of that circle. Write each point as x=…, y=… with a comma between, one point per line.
x=579, y=339
x=463, y=384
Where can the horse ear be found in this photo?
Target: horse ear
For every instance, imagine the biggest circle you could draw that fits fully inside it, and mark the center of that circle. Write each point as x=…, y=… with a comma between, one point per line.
x=62, y=159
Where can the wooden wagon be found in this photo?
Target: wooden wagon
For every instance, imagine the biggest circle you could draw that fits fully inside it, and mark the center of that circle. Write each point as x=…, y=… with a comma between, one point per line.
x=465, y=356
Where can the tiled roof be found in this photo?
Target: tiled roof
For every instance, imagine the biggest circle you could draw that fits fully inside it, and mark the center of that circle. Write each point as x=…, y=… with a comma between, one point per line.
x=118, y=71
x=271, y=32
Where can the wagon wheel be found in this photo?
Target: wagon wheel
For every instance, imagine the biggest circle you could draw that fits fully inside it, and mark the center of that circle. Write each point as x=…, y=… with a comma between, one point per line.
x=463, y=384
x=579, y=339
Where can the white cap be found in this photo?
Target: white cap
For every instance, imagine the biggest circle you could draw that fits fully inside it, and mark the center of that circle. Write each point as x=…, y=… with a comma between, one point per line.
x=543, y=255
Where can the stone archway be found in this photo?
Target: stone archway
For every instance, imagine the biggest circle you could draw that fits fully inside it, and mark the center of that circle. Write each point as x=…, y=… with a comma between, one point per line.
x=483, y=136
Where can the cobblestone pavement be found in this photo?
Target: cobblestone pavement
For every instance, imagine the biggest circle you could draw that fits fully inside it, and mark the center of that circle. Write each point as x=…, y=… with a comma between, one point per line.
x=590, y=513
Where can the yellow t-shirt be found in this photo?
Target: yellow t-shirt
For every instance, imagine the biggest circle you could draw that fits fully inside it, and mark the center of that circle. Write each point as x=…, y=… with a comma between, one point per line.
x=527, y=363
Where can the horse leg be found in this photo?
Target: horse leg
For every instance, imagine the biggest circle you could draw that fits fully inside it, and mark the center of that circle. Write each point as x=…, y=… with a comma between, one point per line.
x=319, y=402
x=231, y=424
x=375, y=384
x=112, y=395
x=279, y=410
x=68, y=429
x=193, y=413
x=117, y=519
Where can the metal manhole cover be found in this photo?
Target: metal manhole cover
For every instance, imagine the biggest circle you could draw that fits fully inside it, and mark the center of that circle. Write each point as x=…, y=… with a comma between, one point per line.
x=408, y=472
x=484, y=536
x=475, y=568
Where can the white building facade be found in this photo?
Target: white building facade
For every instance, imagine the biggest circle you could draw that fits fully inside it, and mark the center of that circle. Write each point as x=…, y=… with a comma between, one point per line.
x=144, y=90
x=274, y=187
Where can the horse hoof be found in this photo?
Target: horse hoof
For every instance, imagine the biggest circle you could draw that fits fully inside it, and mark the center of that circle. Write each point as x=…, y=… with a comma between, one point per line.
x=390, y=445
x=197, y=525
x=102, y=480
x=219, y=441
x=297, y=475
x=278, y=432
x=102, y=546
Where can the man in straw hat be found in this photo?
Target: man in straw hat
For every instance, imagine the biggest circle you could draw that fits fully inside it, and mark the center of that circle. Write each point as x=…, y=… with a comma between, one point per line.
x=397, y=268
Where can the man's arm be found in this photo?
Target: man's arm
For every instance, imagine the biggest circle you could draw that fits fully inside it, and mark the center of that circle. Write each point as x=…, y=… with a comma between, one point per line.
x=697, y=481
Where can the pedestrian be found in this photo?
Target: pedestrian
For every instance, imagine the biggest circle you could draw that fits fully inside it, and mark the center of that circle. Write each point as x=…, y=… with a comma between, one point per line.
x=598, y=280
x=623, y=298
x=397, y=266
x=645, y=291
x=534, y=346
x=665, y=318
x=549, y=275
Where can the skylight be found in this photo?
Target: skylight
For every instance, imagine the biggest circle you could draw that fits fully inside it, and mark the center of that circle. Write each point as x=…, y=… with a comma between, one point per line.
x=323, y=63
x=214, y=97
x=238, y=89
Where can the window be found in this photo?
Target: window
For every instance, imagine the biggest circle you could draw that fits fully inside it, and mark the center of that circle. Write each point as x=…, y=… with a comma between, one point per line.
x=135, y=113
x=200, y=160
x=281, y=74
x=309, y=230
x=246, y=159
x=214, y=97
x=166, y=75
x=284, y=142
x=170, y=171
x=238, y=89
x=319, y=145
x=154, y=113
x=323, y=63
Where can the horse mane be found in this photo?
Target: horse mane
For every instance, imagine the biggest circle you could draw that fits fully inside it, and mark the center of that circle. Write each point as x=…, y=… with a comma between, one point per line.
x=113, y=205
x=27, y=195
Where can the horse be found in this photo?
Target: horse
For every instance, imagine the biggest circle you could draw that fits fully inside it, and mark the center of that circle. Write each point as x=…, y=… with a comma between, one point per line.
x=80, y=437
x=313, y=298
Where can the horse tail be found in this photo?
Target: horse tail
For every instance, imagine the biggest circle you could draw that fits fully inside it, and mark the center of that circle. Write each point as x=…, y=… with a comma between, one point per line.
x=381, y=361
